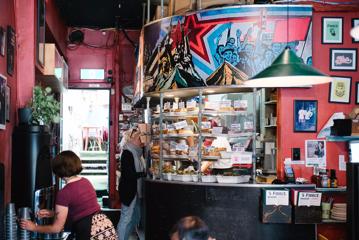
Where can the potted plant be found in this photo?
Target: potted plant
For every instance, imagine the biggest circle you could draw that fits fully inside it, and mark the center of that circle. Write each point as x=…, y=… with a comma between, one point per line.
x=45, y=108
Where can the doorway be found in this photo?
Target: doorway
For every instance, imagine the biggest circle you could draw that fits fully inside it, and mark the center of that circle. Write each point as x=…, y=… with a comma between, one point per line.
x=85, y=131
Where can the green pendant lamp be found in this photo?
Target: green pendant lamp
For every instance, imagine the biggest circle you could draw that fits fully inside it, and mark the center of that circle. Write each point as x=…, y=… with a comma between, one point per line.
x=288, y=70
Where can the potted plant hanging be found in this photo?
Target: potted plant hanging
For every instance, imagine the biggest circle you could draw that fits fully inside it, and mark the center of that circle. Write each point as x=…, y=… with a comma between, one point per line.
x=45, y=108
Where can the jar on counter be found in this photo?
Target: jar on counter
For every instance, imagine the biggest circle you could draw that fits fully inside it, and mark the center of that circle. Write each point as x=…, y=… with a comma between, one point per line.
x=325, y=181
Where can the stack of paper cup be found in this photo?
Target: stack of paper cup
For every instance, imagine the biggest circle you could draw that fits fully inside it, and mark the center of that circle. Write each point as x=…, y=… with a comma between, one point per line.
x=10, y=222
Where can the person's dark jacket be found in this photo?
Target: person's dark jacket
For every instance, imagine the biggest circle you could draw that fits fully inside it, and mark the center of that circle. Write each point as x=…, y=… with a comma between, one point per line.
x=128, y=180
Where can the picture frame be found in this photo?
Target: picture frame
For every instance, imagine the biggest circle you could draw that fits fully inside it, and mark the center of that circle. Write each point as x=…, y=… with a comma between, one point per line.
x=340, y=90
x=355, y=22
x=40, y=32
x=10, y=50
x=2, y=41
x=2, y=101
x=315, y=153
x=305, y=115
x=343, y=59
x=332, y=30
x=357, y=93
x=7, y=103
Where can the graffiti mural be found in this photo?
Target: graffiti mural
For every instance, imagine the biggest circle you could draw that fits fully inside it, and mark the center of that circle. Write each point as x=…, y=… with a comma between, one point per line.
x=223, y=46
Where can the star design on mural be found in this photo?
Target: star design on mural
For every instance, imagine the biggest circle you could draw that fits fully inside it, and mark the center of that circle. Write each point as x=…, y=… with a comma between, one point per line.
x=196, y=34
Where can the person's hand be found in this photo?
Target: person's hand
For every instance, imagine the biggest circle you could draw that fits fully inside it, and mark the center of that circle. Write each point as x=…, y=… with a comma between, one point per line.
x=27, y=225
x=45, y=213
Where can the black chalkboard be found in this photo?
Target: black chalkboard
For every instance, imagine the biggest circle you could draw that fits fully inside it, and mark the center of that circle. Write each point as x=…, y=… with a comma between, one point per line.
x=231, y=213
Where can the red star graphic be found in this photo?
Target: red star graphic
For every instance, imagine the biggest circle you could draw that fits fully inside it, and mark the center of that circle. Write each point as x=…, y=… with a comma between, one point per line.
x=196, y=33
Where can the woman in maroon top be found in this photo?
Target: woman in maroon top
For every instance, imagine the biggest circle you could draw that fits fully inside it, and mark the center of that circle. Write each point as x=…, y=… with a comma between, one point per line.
x=76, y=202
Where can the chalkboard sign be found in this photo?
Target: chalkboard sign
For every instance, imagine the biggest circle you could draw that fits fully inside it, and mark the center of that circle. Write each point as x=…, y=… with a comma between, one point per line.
x=10, y=56
x=231, y=213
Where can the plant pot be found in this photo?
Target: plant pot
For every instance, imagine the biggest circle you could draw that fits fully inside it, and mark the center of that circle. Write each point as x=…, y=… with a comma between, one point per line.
x=25, y=116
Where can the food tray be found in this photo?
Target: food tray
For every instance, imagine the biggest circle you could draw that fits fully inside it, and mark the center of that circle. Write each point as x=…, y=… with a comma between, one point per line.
x=209, y=178
x=233, y=179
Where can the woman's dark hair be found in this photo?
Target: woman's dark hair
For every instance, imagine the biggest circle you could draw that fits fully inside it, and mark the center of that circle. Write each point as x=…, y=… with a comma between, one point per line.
x=66, y=164
x=191, y=228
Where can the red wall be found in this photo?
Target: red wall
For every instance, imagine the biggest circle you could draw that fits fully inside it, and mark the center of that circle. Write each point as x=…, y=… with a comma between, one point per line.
x=287, y=139
x=56, y=26
x=7, y=18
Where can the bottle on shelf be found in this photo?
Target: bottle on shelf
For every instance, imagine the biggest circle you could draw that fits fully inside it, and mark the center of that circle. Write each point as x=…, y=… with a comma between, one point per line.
x=333, y=179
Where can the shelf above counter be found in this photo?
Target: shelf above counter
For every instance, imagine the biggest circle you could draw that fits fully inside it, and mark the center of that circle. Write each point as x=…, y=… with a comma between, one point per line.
x=342, y=138
x=332, y=221
x=338, y=189
x=271, y=102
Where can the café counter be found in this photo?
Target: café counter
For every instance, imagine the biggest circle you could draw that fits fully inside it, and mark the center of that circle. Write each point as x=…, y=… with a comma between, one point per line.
x=232, y=211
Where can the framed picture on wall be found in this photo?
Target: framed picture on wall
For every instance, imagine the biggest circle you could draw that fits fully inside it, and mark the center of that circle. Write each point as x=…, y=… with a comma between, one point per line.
x=332, y=30
x=343, y=59
x=2, y=101
x=40, y=32
x=305, y=115
x=340, y=90
x=357, y=93
x=7, y=103
x=315, y=153
x=355, y=22
x=2, y=41
x=10, y=50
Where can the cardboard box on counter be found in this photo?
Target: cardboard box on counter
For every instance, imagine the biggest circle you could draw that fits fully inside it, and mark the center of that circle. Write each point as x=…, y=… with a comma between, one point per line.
x=308, y=208
x=275, y=207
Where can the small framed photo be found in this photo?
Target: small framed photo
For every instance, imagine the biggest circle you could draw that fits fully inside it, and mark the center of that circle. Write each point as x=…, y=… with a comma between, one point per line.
x=2, y=101
x=357, y=93
x=315, y=153
x=305, y=115
x=343, y=59
x=7, y=103
x=355, y=22
x=340, y=90
x=2, y=41
x=332, y=30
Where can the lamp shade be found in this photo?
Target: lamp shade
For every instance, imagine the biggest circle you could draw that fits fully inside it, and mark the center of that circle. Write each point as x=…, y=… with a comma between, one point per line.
x=288, y=70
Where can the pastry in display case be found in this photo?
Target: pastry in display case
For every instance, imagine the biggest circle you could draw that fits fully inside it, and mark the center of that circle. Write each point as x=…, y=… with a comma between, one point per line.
x=204, y=137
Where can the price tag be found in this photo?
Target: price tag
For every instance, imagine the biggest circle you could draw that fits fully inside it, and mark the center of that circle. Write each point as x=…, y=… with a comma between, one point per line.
x=181, y=105
x=191, y=104
x=206, y=125
x=181, y=147
x=175, y=106
x=213, y=105
x=126, y=107
x=309, y=198
x=236, y=127
x=240, y=104
x=277, y=197
x=241, y=158
x=226, y=104
x=167, y=106
x=217, y=130
x=248, y=126
x=181, y=124
x=171, y=127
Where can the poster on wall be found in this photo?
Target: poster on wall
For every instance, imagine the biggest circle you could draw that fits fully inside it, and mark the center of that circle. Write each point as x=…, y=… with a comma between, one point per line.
x=2, y=101
x=10, y=53
x=2, y=41
x=223, y=46
x=315, y=153
x=7, y=103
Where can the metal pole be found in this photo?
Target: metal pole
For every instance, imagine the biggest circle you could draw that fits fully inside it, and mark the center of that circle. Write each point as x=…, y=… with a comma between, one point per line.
x=162, y=9
x=200, y=140
x=161, y=135
x=148, y=10
x=254, y=159
x=143, y=13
